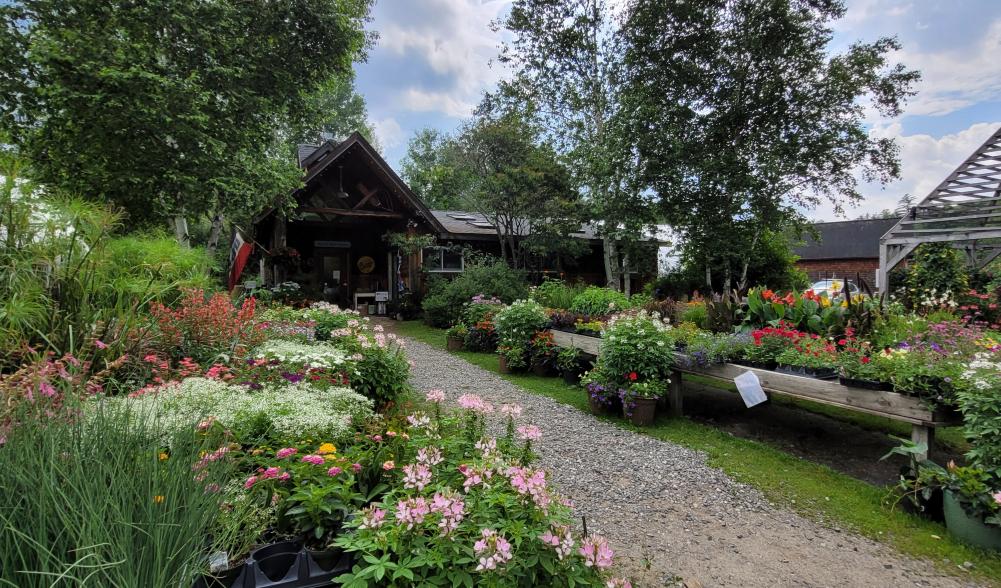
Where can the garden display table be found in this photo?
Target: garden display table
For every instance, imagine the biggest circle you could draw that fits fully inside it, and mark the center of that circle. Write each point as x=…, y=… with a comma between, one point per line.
x=891, y=405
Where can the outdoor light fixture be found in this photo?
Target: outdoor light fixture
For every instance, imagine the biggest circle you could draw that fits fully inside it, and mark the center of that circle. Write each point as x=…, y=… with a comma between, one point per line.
x=340, y=184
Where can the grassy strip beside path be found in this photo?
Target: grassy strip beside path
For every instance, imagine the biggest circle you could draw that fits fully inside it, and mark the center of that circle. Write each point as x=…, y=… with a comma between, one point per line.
x=813, y=490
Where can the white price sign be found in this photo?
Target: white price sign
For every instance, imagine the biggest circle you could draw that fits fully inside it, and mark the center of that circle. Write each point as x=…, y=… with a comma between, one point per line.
x=750, y=389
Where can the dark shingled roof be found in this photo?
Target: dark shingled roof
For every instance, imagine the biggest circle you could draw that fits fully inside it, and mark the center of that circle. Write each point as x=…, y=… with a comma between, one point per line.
x=856, y=239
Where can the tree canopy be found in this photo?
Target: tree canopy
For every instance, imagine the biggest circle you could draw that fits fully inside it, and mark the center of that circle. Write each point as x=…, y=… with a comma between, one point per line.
x=170, y=108
x=743, y=117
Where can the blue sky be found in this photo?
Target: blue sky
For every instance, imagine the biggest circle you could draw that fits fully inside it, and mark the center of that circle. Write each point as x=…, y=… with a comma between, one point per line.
x=434, y=59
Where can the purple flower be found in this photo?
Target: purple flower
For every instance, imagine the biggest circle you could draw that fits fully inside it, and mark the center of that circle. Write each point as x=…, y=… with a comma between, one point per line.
x=293, y=378
x=252, y=385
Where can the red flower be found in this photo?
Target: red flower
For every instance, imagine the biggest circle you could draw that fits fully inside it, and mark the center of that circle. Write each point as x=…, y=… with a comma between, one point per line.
x=865, y=359
x=632, y=376
x=767, y=295
x=790, y=299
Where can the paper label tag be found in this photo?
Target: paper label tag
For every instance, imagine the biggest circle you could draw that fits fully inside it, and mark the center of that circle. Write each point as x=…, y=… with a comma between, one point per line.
x=750, y=389
x=218, y=561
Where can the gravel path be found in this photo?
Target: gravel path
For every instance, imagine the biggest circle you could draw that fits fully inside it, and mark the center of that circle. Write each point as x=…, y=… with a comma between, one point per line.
x=672, y=519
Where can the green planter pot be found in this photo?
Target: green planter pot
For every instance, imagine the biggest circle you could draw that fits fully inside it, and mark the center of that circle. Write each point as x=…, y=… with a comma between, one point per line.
x=969, y=529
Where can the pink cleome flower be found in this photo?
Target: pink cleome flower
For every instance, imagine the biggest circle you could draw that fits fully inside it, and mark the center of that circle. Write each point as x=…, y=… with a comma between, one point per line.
x=529, y=433
x=372, y=518
x=475, y=403
x=416, y=476
x=451, y=508
x=437, y=396
x=596, y=552
x=493, y=550
x=511, y=410
x=412, y=511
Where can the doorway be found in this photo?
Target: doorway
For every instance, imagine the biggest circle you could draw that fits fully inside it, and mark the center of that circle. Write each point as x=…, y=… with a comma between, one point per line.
x=334, y=276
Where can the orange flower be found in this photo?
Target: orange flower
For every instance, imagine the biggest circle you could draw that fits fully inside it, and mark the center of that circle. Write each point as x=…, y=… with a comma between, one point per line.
x=790, y=299
x=767, y=295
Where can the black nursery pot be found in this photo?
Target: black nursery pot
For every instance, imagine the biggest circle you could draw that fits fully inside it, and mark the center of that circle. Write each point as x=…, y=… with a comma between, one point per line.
x=277, y=559
x=571, y=377
x=865, y=384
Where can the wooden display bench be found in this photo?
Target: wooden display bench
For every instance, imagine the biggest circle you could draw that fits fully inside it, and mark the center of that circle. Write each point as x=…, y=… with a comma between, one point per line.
x=891, y=405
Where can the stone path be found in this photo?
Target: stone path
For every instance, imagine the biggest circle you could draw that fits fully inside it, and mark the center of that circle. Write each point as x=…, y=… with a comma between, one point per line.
x=672, y=519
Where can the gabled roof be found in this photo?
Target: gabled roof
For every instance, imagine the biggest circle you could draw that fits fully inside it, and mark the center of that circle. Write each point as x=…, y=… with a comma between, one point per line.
x=854, y=239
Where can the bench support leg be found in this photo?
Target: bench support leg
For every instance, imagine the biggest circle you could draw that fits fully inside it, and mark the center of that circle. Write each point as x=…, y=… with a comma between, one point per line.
x=922, y=434
x=674, y=394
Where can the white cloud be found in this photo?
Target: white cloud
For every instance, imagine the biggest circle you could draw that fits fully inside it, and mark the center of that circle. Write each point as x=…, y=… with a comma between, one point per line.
x=925, y=162
x=388, y=131
x=455, y=40
x=955, y=79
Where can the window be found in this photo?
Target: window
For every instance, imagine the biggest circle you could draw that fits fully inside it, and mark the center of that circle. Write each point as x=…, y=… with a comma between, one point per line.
x=442, y=260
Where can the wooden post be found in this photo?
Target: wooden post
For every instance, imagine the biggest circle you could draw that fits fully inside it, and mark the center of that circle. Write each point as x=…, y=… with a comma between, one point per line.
x=921, y=434
x=674, y=394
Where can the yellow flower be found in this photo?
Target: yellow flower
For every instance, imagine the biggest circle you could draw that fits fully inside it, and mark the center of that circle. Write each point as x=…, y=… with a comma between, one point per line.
x=330, y=457
x=825, y=301
x=844, y=303
x=163, y=456
x=158, y=499
x=326, y=448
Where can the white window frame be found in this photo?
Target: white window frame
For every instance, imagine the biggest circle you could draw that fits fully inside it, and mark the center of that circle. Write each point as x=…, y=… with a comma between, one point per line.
x=442, y=269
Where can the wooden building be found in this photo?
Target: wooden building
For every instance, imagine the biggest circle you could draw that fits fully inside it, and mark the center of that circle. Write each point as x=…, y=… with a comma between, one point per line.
x=336, y=244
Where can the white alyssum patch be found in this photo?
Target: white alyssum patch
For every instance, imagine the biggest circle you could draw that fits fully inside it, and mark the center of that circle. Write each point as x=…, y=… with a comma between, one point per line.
x=308, y=354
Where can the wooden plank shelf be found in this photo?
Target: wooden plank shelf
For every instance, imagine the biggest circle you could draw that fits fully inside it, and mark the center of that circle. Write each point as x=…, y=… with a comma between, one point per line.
x=891, y=405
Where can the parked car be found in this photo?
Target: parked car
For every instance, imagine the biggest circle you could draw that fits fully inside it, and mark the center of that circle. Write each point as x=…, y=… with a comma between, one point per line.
x=835, y=288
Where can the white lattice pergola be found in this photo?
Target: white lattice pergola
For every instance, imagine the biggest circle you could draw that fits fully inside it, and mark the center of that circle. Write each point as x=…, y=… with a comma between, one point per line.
x=965, y=210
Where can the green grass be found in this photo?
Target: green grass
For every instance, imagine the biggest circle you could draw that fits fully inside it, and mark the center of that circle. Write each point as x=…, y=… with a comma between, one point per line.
x=813, y=490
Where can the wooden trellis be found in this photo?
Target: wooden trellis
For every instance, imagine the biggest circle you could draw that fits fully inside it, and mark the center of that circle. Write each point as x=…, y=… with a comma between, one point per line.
x=965, y=210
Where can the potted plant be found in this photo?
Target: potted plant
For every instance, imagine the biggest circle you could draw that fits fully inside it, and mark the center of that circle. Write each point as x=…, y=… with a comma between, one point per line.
x=767, y=344
x=859, y=367
x=455, y=337
x=512, y=359
x=601, y=398
x=971, y=502
x=568, y=361
x=589, y=328
x=639, y=401
x=809, y=356
x=543, y=353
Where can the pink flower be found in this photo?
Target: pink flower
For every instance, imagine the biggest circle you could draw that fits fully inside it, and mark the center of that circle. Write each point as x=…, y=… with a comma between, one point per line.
x=511, y=410
x=356, y=467
x=250, y=482
x=416, y=476
x=529, y=433
x=313, y=459
x=46, y=389
x=493, y=550
x=997, y=497
x=451, y=508
x=334, y=471
x=285, y=452
x=436, y=396
x=475, y=403
x=596, y=552
x=377, y=438
x=100, y=344
x=429, y=456
x=388, y=465
x=412, y=511
x=473, y=476
x=373, y=518
x=618, y=583
x=560, y=538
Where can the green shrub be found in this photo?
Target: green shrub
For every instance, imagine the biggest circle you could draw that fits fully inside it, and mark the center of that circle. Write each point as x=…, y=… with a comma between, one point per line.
x=556, y=294
x=694, y=312
x=135, y=262
x=517, y=323
x=445, y=299
x=638, y=344
x=936, y=276
x=598, y=301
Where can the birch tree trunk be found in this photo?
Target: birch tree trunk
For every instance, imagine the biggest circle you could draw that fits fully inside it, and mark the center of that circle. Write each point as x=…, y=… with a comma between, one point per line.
x=626, y=278
x=215, y=233
x=180, y=226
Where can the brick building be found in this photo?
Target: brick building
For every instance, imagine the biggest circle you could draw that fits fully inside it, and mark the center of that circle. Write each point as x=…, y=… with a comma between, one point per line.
x=844, y=249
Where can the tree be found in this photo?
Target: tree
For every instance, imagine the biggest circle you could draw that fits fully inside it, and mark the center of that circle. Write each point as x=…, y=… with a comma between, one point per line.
x=519, y=185
x=433, y=169
x=337, y=110
x=566, y=60
x=170, y=109
x=743, y=116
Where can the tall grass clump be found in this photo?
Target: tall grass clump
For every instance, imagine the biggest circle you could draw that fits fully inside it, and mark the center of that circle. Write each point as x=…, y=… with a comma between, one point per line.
x=98, y=501
x=66, y=279
x=556, y=293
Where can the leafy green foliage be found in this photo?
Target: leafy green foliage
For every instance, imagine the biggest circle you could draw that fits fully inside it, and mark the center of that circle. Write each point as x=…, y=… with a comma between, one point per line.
x=556, y=294
x=711, y=99
x=635, y=348
x=172, y=108
x=518, y=323
x=445, y=299
x=596, y=301
x=936, y=275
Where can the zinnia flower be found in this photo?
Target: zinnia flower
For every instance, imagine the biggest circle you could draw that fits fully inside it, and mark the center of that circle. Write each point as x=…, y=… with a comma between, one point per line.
x=388, y=465
x=285, y=452
x=313, y=459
